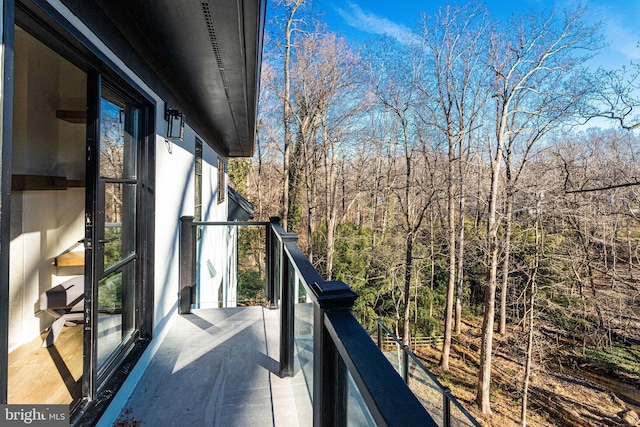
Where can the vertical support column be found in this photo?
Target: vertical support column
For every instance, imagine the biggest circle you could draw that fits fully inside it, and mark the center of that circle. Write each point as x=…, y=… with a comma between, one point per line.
x=341, y=391
x=287, y=303
x=379, y=334
x=446, y=407
x=326, y=384
x=273, y=257
x=329, y=371
x=6, y=114
x=405, y=363
x=187, y=263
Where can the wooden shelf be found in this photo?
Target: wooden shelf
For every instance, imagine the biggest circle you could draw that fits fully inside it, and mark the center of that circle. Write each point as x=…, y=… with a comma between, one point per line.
x=70, y=259
x=43, y=182
x=72, y=116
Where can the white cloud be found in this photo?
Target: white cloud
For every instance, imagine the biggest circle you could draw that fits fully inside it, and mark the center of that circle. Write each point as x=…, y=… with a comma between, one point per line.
x=370, y=23
x=620, y=26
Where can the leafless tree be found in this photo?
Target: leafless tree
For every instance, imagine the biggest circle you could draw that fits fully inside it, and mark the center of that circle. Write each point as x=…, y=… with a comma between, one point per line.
x=292, y=7
x=455, y=96
x=397, y=97
x=534, y=65
x=616, y=96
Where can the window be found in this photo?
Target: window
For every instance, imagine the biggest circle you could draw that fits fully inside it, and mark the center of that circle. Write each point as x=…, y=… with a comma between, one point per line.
x=197, y=208
x=221, y=180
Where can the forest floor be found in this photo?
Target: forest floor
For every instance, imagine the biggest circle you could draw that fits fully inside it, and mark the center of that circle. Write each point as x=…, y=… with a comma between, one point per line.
x=569, y=385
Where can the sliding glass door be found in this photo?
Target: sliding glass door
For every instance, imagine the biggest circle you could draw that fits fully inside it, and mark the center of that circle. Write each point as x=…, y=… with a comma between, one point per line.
x=112, y=235
x=116, y=223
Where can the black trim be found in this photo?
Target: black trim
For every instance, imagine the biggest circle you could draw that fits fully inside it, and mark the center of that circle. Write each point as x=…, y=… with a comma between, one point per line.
x=150, y=68
x=42, y=21
x=94, y=376
x=6, y=129
x=147, y=222
x=87, y=413
x=45, y=23
x=94, y=83
x=359, y=353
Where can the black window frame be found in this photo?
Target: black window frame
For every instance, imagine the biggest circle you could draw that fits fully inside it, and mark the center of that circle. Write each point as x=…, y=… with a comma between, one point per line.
x=46, y=24
x=197, y=199
x=222, y=166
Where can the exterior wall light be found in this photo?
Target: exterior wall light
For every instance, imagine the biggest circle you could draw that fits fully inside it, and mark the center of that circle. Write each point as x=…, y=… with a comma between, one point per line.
x=175, y=123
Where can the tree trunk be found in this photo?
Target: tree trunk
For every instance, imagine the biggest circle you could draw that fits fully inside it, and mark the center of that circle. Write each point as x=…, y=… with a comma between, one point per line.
x=484, y=377
x=286, y=114
x=460, y=281
x=407, y=288
x=527, y=370
x=330, y=197
x=505, y=264
x=433, y=261
x=451, y=211
x=309, y=177
x=629, y=250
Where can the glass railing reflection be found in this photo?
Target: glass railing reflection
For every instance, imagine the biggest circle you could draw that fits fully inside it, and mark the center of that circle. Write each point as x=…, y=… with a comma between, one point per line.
x=423, y=383
x=426, y=390
x=303, y=337
x=357, y=412
x=230, y=265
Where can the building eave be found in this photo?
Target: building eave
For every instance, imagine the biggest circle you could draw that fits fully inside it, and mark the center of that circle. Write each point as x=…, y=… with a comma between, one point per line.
x=202, y=57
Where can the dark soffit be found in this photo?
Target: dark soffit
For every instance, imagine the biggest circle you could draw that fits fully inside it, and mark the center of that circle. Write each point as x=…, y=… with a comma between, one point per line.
x=203, y=57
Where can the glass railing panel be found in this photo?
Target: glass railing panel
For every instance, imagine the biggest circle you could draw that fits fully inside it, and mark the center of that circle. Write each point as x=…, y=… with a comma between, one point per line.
x=230, y=266
x=357, y=412
x=303, y=335
x=251, y=266
x=393, y=352
x=303, y=351
x=277, y=269
x=422, y=383
x=427, y=390
x=460, y=418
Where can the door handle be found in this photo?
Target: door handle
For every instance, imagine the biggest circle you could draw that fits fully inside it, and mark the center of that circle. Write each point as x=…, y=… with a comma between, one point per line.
x=113, y=239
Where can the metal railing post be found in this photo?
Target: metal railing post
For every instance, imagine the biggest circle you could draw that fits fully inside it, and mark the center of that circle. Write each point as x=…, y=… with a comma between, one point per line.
x=272, y=258
x=287, y=276
x=405, y=363
x=187, y=269
x=446, y=406
x=329, y=374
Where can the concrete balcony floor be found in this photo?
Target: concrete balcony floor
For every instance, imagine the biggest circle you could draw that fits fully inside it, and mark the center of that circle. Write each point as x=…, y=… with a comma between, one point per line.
x=218, y=367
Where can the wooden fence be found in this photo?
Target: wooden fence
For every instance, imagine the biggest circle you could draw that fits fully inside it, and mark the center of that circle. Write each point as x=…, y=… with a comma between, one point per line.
x=414, y=342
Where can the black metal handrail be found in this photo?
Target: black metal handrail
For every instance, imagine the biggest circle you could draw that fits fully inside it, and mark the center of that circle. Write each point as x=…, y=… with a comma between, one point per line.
x=447, y=398
x=340, y=346
x=384, y=392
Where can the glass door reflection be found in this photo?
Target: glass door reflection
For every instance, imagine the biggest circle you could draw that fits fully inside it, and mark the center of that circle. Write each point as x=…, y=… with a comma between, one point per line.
x=116, y=224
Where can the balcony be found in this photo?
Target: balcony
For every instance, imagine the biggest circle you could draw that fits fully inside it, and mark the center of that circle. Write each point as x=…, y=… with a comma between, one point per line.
x=301, y=359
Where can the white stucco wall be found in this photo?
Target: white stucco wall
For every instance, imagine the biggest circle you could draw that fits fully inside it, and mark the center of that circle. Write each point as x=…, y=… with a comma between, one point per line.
x=174, y=199
x=211, y=247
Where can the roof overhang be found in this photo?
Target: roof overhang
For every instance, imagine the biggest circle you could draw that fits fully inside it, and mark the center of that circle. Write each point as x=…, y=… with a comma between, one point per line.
x=239, y=207
x=202, y=57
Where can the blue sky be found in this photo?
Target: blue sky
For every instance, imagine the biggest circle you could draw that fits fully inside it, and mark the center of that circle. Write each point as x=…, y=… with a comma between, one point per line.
x=362, y=19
